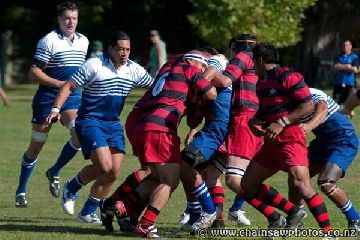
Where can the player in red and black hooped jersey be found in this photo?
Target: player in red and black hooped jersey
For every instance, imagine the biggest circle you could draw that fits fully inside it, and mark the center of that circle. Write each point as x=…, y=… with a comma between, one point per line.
x=241, y=144
x=126, y=191
x=284, y=99
x=158, y=144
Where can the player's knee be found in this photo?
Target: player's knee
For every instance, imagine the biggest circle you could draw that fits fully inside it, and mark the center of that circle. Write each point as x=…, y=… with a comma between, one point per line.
x=327, y=186
x=192, y=156
x=39, y=137
x=233, y=178
x=71, y=125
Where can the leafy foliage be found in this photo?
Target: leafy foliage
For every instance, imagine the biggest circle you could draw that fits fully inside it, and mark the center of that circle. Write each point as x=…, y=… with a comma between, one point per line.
x=275, y=21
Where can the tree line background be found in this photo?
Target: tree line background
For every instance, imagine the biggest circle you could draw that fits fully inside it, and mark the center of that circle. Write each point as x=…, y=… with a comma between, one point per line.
x=309, y=33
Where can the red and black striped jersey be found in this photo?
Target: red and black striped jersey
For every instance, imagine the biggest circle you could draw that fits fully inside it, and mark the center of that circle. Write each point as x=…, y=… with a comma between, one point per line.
x=169, y=96
x=241, y=71
x=280, y=93
x=165, y=68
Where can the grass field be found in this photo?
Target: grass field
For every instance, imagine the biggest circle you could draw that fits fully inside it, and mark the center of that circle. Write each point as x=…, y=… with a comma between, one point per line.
x=45, y=219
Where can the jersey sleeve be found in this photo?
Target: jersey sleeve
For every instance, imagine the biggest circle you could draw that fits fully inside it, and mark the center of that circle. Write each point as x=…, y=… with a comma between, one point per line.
x=85, y=74
x=317, y=95
x=43, y=53
x=355, y=61
x=218, y=62
x=297, y=88
x=197, y=81
x=237, y=66
x=337, y=59
x=142, y=77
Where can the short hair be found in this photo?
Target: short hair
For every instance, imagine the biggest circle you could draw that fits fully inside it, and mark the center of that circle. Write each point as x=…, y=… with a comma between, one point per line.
x=267, y=52
x=209, y=50
x=243, y=42
x=61, y=8
x=115, y=36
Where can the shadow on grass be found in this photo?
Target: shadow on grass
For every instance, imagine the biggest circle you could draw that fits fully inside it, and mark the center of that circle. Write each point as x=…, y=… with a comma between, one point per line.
x=31, y=220
x=59, y=229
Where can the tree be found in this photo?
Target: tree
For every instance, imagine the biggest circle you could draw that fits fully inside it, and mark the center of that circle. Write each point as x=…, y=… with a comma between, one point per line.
x=276, y=21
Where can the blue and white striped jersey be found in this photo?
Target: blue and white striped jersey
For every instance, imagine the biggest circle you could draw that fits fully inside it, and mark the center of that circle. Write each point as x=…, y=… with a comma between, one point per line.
x=58, y=57
x=106, y=88
x=318, y=95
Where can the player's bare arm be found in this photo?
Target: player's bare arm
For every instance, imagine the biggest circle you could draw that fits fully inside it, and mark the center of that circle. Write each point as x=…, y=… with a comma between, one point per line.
x=256, y=127
x=38, y=76
x=221, y=81
x=321, y=111
x=299, y=112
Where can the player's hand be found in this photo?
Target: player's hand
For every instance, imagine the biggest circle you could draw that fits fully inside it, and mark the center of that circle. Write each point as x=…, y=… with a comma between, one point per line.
x=273, y=131
x=53, y=117
x=256, y=128
x=306, y=128
x=59, y=84
x=190, y=136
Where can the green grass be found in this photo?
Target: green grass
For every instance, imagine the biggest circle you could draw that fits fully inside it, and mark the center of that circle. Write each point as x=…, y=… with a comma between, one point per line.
x=45, y=219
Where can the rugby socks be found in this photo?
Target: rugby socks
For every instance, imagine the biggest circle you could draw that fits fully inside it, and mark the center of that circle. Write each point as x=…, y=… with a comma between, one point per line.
x=75, y=184
x=194, y=211
x=202, y=194
x=217, y=195
x=90, y=205
x=318, y=209
x=237, y=204
x=127, y=187
x=133, y=204
x=68, y=152
x=270, y=196
x=349, y=211
x=27, y=166
x=149, y=217
x=268, y=211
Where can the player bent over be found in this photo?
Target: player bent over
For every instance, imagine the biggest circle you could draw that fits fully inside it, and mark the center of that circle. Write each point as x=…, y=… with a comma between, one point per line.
x=58, y=55
x=199, y=152
x=158, y=144
x=330, y=153
x=108, y=80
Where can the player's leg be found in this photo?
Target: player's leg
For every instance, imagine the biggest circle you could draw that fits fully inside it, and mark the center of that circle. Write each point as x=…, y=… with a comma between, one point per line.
x=327, y=179
x=235, y=169
x=39, y=135
x=168, y=176
x=109, y=161
x=216, y=189
x=67, y=153
x=300, y=177
x=254, y=192
x=93, y=139
x=192, y=181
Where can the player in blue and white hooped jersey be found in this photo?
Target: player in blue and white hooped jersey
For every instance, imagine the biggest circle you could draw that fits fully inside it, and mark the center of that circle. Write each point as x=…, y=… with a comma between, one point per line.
x=107, y=81
x=58, y=55
x=331, y=152
x=201, y=147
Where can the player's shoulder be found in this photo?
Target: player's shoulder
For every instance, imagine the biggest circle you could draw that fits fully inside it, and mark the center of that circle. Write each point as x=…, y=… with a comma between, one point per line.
x=134, y=66
x=50, y=38
x=81, y=37
x=354, y=55
x=94, y=62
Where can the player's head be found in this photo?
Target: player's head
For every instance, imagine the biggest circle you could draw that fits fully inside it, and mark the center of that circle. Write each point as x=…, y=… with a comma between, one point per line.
x=196, y=58
x=210, y=51
x=154, y=36
x=118, y=46
x=68, y=14
x=264, y=54
x=347, y=47
x=241, y=43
